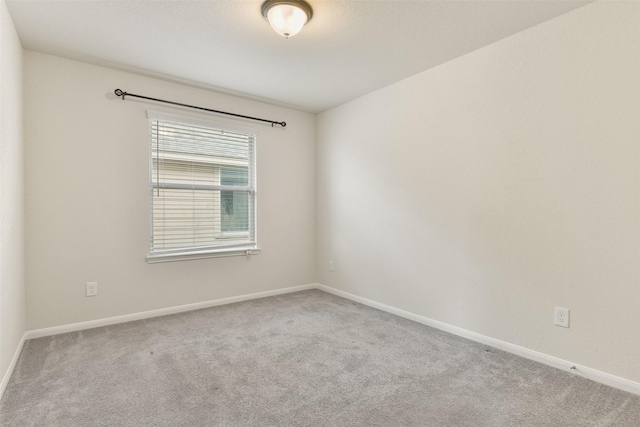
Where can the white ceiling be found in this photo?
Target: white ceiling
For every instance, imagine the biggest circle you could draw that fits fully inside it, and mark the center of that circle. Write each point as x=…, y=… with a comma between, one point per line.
x=349, y=48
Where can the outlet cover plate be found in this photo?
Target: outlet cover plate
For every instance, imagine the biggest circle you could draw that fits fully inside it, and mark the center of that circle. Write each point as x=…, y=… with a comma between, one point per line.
x=92, y=289
x=561, y=317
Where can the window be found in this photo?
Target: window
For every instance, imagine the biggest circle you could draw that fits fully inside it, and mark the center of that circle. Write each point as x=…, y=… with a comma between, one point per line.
x=202, y=189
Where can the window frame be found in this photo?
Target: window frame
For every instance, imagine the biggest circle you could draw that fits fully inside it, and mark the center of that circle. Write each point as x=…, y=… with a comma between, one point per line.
x=189, y=253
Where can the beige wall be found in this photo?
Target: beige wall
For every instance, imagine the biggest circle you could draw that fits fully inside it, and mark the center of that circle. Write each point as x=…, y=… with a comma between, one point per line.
x=88, y=197
x=486, y=191
x=12, y=302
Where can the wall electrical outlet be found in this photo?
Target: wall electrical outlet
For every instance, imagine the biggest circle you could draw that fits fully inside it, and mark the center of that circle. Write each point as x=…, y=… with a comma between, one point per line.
x=561, y=317
x=330, y=265
x=92, y=289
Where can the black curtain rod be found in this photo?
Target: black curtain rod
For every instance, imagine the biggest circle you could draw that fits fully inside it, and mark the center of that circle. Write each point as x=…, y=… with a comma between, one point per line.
x=122, y=94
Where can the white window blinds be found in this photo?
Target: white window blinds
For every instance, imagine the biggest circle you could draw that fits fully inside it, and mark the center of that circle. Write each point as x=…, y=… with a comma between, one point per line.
x=202, y=186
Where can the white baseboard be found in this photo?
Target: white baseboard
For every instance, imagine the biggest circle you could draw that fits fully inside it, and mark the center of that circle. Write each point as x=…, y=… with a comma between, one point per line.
x=12, y=366
x=72, y=327
x=589, y=373
x=565, y=365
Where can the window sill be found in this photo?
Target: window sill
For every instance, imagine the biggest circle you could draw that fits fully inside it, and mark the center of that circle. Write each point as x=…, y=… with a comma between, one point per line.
x=211, y=253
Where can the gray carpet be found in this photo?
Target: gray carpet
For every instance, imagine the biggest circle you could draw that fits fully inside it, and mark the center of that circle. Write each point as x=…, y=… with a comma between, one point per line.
x=301, y=359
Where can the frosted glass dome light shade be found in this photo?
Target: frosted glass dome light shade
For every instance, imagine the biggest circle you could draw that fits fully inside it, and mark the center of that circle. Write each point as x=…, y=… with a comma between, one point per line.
x=286, y=20
x=287, y=17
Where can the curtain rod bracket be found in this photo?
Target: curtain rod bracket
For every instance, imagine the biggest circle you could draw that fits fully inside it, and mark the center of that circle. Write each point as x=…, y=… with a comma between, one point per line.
x=121, y=93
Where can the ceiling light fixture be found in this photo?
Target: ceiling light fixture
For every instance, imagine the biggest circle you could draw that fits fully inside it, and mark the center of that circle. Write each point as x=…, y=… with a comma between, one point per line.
x=287, y=17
